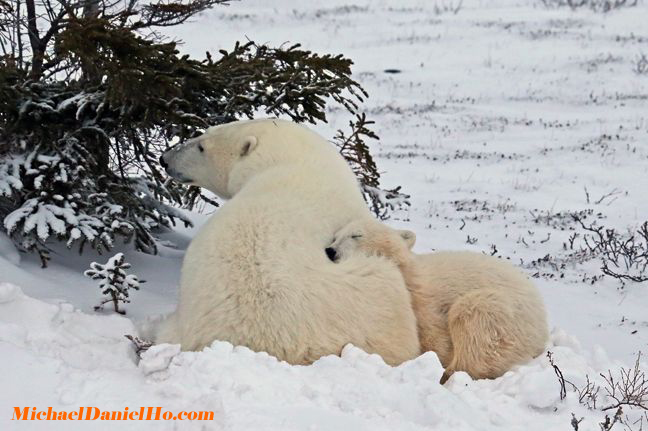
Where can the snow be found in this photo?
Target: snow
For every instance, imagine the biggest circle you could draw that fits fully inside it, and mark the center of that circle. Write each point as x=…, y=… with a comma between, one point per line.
x=505, y=118
x=83, y=360
x=8, y=292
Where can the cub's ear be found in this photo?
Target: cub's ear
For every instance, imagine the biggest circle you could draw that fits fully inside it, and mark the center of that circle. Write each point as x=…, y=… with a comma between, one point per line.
x=409, y=237
x=248, y=144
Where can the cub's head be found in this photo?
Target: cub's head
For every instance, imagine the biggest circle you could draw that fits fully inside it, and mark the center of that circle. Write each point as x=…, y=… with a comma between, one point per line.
x=225, y=157
x=371, y=237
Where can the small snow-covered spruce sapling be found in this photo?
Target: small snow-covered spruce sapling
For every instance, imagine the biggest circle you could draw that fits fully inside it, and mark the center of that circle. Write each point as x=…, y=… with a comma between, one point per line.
x=114, y=281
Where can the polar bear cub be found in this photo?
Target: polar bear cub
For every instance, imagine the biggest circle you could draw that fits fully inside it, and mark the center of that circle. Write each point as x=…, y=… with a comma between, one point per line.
x=478, y=313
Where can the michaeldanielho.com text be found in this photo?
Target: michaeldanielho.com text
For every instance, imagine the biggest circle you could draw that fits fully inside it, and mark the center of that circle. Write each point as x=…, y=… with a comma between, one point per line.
x=95, y=413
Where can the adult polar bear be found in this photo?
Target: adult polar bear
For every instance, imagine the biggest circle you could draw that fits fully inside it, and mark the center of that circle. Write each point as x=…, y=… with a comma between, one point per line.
x=256, y=273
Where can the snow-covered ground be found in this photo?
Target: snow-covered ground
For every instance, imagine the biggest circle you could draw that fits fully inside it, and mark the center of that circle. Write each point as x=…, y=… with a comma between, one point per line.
x=504, y=118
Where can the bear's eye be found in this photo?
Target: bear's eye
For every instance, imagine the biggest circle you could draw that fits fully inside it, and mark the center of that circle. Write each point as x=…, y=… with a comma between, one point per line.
x=200, y=148
x=357, y=236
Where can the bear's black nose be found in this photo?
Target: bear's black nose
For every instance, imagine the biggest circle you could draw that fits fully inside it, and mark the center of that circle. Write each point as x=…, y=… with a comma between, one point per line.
x=331, y=253
x=163, y=163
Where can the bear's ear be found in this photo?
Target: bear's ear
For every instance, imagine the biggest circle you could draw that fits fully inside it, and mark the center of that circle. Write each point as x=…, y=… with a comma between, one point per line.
x=409, y=237
x=248, y=144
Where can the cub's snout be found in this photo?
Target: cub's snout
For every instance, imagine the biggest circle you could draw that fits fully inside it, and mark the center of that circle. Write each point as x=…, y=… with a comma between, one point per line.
x=331, y=253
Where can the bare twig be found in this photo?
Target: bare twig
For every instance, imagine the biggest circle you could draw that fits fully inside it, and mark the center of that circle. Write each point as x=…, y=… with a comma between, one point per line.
x=630, y=389
x=607, y=424
x=576, y=422
x=608, y=195
x=140, y=345
x=624, y=257
x=561, y=379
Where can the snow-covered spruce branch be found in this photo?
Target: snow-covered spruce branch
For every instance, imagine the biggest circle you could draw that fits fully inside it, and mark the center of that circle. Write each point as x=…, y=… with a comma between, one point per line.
x=384, y=201
x=51, y=196
x=353, y=147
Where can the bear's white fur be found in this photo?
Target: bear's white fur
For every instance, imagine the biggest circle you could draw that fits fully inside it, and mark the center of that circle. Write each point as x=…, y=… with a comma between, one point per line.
x=478, y=313
x=256, y=273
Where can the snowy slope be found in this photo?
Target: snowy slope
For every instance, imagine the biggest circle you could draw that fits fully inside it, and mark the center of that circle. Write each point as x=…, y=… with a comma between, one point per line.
x=503, y=115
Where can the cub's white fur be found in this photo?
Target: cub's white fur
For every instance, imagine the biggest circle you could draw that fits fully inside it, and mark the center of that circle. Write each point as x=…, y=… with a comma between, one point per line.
x=256, y=273
x=478, y=313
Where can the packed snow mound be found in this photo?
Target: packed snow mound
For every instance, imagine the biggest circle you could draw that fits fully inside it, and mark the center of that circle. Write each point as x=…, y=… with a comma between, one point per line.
x=66, y=359
x=9, y=292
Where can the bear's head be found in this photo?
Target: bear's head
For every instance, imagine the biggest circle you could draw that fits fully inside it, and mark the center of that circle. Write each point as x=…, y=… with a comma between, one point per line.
x=370, y=237
x=225, y=157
